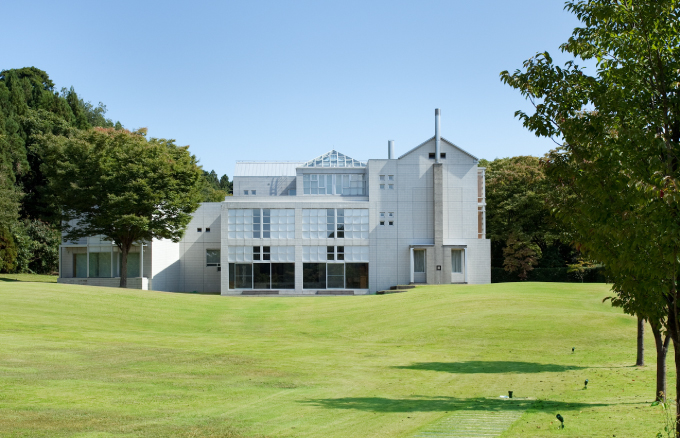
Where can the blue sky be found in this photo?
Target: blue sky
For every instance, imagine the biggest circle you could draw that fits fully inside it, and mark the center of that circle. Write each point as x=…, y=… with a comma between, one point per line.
x=290, y=80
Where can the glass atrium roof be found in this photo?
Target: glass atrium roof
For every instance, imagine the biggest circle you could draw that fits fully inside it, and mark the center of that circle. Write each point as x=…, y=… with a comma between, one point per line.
x=334, y=159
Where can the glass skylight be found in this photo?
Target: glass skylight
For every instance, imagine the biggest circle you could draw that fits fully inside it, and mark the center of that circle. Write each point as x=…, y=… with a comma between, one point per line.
x=334, y=159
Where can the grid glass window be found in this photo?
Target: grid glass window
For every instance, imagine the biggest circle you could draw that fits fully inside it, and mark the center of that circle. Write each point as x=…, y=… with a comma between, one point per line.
x=348, y=223
x=261, y=223
x=390, y=186
x=382, y=177
x=334, y=184
x=419, y=260
x=390, y=177
x=382, y=186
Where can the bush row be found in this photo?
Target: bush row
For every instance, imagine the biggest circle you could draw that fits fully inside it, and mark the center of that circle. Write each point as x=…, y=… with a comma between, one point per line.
x=558, y=275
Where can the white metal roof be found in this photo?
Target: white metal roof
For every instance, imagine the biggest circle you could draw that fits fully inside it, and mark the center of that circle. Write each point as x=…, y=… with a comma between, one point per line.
x=443, y=139
x=267, y=168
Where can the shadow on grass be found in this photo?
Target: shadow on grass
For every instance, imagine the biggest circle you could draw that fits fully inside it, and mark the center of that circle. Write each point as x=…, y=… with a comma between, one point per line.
x=445, y=404
x=13, y=280
x=489, y=367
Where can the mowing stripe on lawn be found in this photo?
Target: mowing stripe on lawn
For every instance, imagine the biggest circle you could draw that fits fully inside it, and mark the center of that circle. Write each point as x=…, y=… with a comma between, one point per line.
x=470, y=424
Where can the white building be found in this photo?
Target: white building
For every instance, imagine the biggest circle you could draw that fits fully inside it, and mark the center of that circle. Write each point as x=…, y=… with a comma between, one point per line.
x=331, y=225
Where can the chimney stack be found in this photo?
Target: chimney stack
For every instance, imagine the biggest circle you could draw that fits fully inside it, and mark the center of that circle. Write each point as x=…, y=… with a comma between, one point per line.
x=437, y=137
x=390, y=150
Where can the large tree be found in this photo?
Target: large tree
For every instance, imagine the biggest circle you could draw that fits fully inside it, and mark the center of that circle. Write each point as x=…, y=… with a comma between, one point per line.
x=620, y=135
x=120, y=185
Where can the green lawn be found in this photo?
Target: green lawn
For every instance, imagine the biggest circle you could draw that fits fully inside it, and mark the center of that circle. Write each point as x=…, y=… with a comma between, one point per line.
x=29, y=277
x=97, y=362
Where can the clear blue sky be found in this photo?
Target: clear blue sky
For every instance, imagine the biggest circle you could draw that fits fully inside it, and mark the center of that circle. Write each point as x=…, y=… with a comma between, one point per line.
x=290, y=80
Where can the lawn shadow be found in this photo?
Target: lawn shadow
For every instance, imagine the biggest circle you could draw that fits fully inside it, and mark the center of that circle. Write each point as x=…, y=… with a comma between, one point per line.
x=444, y=404
x=9, y=279
x=490, y=367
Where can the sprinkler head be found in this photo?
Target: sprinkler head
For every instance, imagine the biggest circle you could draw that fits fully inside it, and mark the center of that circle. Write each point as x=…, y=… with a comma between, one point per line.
x=559, y=417
x=586, y=383
x=572, y=349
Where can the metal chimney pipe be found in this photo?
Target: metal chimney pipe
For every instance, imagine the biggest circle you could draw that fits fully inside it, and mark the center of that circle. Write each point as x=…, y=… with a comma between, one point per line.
x=390, y=150
x=437, y=137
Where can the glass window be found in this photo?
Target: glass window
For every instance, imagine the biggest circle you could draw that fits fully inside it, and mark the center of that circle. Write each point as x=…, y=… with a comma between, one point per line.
x=207, y=230
x=382, y=222
x=314, y=276
x=336, y=275
x=100, y=264
x=356, y=275
x=330, y=223
x=341, y=253
x=243, y=275
x=199, y=230
x=419, y=260
x=256, y=253
x=390, y=186
x=330, y=253
x=390, y=214
x=245, y=192
x=212, y=257
x=80, y=265
x=390, y=177
x=382, y=215
x=382, y=177
x=261, y=276
x=382, y=186
x=253, y=192
x=266, y=253
x=456, y=261
x=283, y=275
x=391, y=222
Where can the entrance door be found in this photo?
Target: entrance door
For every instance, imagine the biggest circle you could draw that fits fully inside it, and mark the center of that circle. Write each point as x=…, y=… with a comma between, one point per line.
x=419, y=266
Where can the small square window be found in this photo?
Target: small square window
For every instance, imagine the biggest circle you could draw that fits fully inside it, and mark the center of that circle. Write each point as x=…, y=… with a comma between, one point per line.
x=430, y=155
x=207, y=230
x=245, y=192
x=382, y=177
x=390, y=214
x=265, y=253
x=442, y=155
x=382, y=222
x=199, y=229
x=390, y=177
x=391, y=186
x=256, y=253
x=382, y=186
x=382, y=215
x=253, y=192
x=391, y=222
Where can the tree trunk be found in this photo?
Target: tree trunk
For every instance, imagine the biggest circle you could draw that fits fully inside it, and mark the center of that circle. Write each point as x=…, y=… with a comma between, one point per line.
x=124, y=250
x=661, y=344
x=674, y=331
x=640, y=361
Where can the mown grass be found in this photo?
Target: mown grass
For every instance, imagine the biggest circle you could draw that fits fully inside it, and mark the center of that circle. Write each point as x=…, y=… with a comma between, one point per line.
x=40, y=278
x=97, y=362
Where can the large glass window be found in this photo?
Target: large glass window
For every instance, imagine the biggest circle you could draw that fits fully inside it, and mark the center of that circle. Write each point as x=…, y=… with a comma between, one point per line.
x=314, y=275
x=132, y=264
x=456, y=261
x=261, y=275
x=356, y=275
x=80, y=265
x=240, y=276
x=336, y=276
x=283, y=275
x=100, y=265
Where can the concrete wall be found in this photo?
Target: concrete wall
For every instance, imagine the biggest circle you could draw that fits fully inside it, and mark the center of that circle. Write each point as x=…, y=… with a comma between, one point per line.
x=165, y=264
x=194, y=274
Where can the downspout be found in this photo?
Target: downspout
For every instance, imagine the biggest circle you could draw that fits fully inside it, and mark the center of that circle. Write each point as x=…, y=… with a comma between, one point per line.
x=412, y=266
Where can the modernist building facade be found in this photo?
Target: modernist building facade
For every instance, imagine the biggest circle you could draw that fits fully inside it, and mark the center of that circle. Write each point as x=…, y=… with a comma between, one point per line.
x=329, y=225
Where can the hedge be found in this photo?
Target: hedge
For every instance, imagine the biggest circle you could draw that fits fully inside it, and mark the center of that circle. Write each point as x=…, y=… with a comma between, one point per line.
x=558, y=275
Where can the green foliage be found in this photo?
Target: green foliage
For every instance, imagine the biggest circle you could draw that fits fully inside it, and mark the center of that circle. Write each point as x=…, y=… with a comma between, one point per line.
x=8, y=251
x=617, y=170
x=120, y=185
x=517, y=212
x=214, y=190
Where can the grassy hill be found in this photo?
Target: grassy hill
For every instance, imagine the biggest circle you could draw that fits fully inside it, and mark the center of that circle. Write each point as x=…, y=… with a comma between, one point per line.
x=98, y=362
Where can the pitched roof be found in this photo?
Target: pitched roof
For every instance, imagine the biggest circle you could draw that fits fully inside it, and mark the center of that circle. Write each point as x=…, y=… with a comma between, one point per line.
x=445, y=140
x=334, y=159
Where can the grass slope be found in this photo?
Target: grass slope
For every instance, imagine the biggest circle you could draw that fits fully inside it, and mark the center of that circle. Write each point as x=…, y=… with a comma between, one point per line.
x=98, y=362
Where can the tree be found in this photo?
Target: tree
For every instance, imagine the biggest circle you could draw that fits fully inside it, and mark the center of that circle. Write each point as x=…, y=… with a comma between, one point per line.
x=517, y=213
x=118, y=184
x=620, y=134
